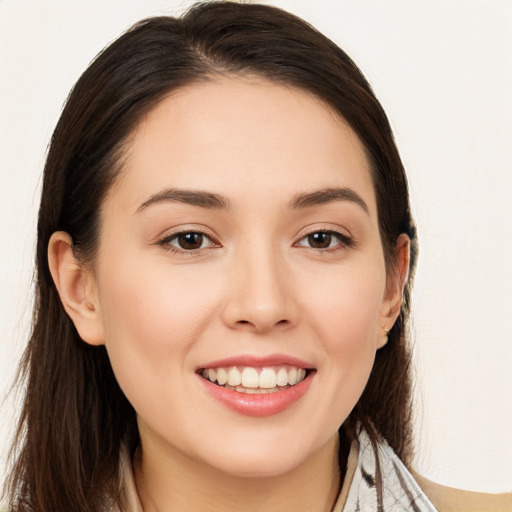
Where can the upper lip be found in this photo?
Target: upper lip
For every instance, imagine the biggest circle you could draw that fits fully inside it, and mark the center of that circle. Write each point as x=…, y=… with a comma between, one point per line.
x=258, y=361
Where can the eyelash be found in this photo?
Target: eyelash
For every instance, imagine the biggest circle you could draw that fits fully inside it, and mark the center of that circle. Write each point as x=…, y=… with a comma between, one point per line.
x=166, y=242
x=344, y=240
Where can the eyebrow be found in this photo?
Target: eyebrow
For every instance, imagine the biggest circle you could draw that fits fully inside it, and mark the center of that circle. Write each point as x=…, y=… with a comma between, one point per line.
x=327, y=195
x=199, y=198
x=213, y=201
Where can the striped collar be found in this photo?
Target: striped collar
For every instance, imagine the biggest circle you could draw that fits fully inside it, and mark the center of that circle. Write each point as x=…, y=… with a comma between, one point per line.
x=377, y=481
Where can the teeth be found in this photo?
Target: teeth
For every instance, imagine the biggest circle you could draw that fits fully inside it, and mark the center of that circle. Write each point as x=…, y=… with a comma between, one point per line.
x=253, y=380
x=268, y=378
x=234, y=377
x=282, y=377
x=222, y=376
x=292, y=376
x=250, y=378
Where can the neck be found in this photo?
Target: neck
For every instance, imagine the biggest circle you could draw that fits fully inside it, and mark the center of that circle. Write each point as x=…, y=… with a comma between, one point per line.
x=186, y=485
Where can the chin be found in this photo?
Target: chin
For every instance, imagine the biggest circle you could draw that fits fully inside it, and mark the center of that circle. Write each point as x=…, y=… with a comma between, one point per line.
x=259, y=467
x=259, y=459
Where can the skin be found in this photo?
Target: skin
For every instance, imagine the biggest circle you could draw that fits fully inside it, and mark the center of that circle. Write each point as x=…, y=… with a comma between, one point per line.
x=256, y=286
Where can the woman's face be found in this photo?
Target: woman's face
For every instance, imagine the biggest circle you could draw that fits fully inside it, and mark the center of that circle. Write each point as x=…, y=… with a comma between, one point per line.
x=241, y=242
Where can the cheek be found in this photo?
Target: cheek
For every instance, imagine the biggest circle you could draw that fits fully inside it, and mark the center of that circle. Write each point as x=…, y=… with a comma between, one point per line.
x=347, y=309
x=152, y=303
x=151, y=317
x=346, y=319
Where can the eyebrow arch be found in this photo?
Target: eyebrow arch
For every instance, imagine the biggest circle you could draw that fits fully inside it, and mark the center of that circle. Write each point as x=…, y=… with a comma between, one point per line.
x=327, y=195
x=193, y=197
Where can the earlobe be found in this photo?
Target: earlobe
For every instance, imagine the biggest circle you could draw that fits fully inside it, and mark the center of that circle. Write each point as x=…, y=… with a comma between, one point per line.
x=76, y=287
x=396, y=282
x=383, y=338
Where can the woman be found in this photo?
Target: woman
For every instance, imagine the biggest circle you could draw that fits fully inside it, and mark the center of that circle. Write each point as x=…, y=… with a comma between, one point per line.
x=225, y=252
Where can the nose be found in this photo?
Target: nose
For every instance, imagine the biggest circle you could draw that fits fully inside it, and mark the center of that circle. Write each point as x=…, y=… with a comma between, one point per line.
x=260, y=294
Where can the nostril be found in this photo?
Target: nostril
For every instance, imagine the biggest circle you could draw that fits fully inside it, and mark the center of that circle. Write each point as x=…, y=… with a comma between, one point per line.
x=260, y=324
x=280, y=322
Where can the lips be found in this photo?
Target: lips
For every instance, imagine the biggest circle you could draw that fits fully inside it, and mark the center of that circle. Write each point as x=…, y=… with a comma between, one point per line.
x=251, y=379
x=256, y=386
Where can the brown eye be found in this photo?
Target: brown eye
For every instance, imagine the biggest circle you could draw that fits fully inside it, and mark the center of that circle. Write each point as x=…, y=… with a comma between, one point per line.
x=320, y=240
x=190, y=241
x=187, y=241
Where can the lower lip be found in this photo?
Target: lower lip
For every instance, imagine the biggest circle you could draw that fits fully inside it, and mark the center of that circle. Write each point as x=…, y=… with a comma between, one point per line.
x=265, y=404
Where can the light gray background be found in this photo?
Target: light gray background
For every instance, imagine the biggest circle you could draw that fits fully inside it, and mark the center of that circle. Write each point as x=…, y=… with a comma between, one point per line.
x=443, y=71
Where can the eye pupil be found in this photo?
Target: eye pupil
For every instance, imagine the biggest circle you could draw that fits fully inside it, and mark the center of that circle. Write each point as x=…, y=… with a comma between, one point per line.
x=320, y=240
x=190, y=241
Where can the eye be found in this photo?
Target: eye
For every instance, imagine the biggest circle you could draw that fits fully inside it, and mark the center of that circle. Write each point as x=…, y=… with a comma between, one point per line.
x=326, y=240
x=188, y=241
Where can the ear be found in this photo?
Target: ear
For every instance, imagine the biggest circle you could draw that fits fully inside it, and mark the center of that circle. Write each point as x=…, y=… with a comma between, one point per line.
x=395, y=284
x=76, y=286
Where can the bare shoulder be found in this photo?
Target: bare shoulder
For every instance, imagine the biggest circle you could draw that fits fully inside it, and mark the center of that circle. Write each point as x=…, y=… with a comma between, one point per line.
x=448, y=499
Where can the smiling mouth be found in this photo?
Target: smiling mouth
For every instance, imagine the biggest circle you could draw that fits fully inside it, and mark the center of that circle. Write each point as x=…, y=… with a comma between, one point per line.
x=251, y=380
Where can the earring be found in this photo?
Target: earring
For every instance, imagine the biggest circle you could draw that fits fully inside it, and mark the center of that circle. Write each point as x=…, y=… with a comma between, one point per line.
x=385, y=338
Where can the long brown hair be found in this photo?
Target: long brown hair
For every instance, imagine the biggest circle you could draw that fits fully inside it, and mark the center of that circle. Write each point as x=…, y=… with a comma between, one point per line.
x=75, y=418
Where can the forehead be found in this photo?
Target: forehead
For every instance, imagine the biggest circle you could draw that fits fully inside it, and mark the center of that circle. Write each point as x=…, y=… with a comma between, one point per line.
x=243, y=136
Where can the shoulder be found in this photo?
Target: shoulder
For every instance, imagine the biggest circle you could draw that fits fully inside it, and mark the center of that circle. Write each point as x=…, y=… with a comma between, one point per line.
x=448, y=499
x=398, y=488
